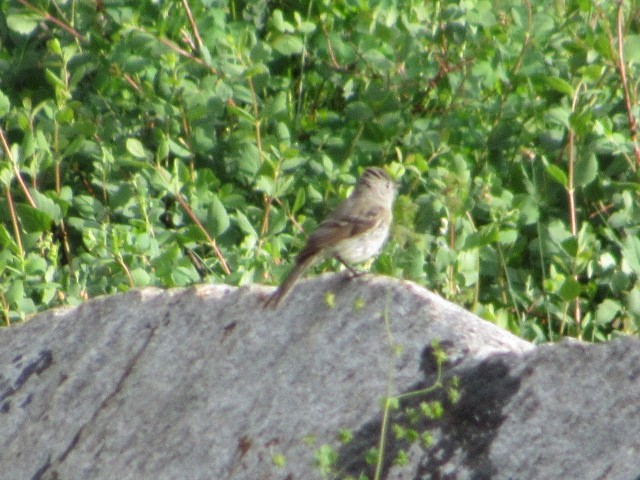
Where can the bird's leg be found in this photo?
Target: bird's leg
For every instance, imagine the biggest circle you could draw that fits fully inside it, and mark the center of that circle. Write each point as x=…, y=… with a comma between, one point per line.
x=354, y=273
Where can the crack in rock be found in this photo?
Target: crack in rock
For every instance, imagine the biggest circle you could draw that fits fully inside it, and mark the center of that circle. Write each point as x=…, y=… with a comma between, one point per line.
x=118, y=388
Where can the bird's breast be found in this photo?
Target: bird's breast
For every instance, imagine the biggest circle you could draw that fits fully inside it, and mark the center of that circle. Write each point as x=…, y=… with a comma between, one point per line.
x=364, y=246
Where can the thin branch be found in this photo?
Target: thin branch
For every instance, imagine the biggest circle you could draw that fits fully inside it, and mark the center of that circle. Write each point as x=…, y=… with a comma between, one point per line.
x=126, y=269
x=194, y=27
x=334, y=62
x=47, y=17
x=633, y=125
x=570, y=185
x=187, y=209
x=256, y=118
x=572, y=202
x=132, y=83
x=527, y=38
x=63, y=228
x=185, y=206
x=14, y=221
x=303, y=55
x=291, y=216
x=268, y=200
x=16, y=170
x=188, y=55
x=5, y=309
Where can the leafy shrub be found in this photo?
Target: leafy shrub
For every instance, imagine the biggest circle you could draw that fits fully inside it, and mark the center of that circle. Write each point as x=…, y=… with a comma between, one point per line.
x=170, y=143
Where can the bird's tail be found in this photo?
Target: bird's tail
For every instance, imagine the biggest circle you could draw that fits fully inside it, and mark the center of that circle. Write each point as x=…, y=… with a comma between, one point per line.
x=301, y=266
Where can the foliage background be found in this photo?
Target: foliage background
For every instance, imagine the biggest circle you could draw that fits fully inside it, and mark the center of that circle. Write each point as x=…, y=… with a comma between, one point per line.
x=170, y=143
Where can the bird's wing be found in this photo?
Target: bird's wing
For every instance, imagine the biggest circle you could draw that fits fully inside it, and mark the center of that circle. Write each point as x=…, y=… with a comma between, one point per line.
x=343, y=224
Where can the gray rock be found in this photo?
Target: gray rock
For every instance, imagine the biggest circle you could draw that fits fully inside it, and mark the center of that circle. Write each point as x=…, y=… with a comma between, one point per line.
x=205, y=384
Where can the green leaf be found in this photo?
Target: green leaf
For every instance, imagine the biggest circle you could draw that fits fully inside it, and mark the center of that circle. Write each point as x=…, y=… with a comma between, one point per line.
x=528, y=210
x=631, y=253
x=570, y=245
x=255, y=69
x=135, y=148
x=304, y=26
x=482, y=14
x=24, y=22
x=6, y=240
x=178, y=150
x=358, y=111
x=633, y=301
x=558, y=232
x=507, y=236
x=140, y=277
x=558, y=175
x=300, y=200
x=288, y=44
x=282, y=186
x=219, y=216
x=560, y=85
x=485, y=236
x=54, y=80
x=607, y=311
x=631, y=48
x=5, y=104
x=46, y=205
x=88, y=207
x=32, y=219
x=15, y=292
x=206, y=54
x=280, y=23
x=6, y=175
x=26, y=306
x=570, y=289
x=35, y=265
x=558, y=116
x=53, y=46
x=586, y=170
x=245, y=224
x=163, y=149
x=292, y=163
x=266, y=185
x=183, y=276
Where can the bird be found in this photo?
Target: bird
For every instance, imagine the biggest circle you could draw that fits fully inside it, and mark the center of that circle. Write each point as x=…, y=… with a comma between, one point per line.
x=354, y=232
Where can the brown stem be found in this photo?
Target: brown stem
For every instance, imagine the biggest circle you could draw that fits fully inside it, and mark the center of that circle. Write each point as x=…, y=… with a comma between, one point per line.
x=126, y=270
x=257, y=126
x=63, y=228
x=16, y=170
x=14, y=220
x=572, y=203
x=570, y=185
x=633, y=125
x=185, y=206
x=56, y=174
x=186, y=54
x=194, y=27
x=53, y=19
x=187, y=209
x=133, y=84
x=291, y=217
x=5, y=309
x=452, y=242
x=256, y=118
x=527, y=38
x=332, y=56
x=66, y=247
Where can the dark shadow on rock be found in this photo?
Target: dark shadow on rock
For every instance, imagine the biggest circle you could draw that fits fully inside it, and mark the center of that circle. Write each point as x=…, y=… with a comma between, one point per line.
x=467, y=427
x=471, y=424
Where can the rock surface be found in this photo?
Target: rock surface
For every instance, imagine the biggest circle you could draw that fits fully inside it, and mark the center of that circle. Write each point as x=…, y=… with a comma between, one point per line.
x=205, y=384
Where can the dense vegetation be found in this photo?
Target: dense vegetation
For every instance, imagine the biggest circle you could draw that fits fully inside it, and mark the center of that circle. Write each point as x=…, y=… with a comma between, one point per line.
x=172, y=143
